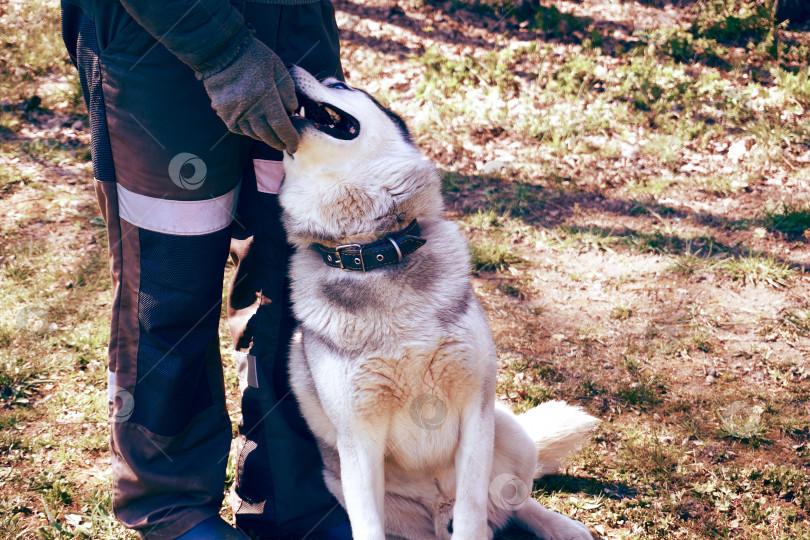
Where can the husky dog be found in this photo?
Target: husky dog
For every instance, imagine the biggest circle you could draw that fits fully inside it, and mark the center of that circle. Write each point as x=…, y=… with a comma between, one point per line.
x=393, y=364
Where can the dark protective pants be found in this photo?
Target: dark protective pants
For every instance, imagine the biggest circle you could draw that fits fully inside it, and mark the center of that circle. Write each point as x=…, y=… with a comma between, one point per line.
x=178, y=192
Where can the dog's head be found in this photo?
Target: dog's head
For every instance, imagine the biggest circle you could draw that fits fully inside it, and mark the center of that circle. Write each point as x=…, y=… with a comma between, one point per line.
x=334, y=117
x=356, y=174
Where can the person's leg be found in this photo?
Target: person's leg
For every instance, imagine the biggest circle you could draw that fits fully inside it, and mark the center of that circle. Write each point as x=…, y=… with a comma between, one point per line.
x=279, y=488
x=167, y=177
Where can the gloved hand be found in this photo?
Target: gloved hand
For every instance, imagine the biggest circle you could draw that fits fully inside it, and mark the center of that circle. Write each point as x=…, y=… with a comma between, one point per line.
x=253, y=95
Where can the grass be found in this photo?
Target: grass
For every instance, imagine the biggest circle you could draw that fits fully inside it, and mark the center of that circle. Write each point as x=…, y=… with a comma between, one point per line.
x=626, y=262
x=447, y=75
x=795, y=85
x=758, y=269
x=792, y=220
x=491, y=256
x=723, y=185
x=621, y=312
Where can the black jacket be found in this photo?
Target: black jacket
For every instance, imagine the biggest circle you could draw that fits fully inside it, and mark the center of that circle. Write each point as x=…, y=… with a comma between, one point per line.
x=205, y=34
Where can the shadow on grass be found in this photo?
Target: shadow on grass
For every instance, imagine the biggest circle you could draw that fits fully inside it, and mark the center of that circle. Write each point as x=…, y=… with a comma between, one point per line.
x=566, y=485
x=613, y=38
x=563, y=483
x=394, y=15
x=664, y=3
x=548, y=23
x=553, y=207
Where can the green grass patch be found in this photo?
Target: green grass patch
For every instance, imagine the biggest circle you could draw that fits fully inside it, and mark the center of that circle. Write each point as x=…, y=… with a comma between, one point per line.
x=10, y=177
x=756, y=269
x=19, y=381
x=492, y=256
x=549, y=19
x=23, y=259
x=620, y=312
x=688, y=264
x=774, y=136
x=662, y=462
x=56, y=489
x=644, y=392
x=788, y=484
x=589, y=238
x=34, y=51
x=446, y=75
x=681, y=45
x=790, y=219
x=55, y=151
x=796, y=85
x=668, y=148
x=720, y=23
x=734, y=20
x=560, y=24
x=485, y=220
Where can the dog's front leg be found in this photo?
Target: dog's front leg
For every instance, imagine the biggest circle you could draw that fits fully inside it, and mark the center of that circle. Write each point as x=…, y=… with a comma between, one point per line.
x=361, y=470
x=473, y=467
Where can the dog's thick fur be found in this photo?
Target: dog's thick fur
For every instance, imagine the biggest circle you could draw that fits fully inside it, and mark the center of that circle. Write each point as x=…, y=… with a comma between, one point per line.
x=395, y=368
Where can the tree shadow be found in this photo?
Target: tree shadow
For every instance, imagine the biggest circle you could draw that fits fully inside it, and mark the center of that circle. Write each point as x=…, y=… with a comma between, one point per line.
x=665, y=3
x=385, y=46
x=394, y=15
x=563, y=483
x=570, y=485
x=554, y=207
x=548, y=23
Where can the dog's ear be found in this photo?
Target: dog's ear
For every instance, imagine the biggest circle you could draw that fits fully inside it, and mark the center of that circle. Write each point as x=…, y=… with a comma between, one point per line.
x=399, y=122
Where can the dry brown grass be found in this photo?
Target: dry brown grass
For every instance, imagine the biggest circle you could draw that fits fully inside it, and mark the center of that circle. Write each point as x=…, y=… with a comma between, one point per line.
x=641, y=251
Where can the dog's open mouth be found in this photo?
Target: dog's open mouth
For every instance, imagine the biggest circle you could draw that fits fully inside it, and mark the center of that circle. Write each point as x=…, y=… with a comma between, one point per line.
x=326, y=118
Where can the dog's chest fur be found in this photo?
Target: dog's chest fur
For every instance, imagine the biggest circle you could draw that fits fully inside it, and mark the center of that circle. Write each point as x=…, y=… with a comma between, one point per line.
x=418, y=394
x=406, y=346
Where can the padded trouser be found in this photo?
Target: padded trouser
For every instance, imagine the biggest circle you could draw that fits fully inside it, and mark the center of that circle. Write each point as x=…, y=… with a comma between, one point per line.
x=174, y=186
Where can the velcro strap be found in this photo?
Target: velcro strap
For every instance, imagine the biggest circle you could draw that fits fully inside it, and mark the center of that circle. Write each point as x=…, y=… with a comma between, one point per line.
x=364, y=257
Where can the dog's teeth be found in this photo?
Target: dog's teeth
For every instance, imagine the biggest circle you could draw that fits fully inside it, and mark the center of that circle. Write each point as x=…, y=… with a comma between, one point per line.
x=301, y=111
x=333, y=115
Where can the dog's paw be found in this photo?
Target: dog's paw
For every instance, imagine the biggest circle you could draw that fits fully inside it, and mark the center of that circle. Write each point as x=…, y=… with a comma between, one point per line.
x=565, y=528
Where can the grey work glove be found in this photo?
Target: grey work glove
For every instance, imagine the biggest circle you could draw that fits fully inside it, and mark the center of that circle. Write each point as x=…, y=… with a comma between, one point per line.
x=254, y=94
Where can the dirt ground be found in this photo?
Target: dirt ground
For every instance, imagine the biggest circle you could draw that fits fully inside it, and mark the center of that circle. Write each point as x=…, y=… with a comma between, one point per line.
x=639, y=230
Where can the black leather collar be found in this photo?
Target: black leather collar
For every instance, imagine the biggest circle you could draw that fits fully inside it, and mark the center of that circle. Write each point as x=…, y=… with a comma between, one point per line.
x=364, y=257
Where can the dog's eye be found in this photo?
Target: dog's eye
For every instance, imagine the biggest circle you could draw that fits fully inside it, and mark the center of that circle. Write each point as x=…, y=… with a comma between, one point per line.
x=339, y=86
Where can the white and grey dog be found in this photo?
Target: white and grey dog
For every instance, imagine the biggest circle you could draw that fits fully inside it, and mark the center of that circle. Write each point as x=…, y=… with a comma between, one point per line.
x=393, y=363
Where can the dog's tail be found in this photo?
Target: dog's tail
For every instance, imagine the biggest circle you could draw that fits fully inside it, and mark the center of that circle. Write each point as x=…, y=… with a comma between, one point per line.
x=557, y=429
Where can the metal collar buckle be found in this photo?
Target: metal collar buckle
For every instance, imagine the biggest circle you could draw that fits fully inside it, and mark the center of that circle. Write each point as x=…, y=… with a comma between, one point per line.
x=396, y=246
x=357, y=260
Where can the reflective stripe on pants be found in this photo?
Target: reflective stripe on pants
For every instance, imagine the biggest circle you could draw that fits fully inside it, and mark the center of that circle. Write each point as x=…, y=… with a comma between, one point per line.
x=169, y=176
